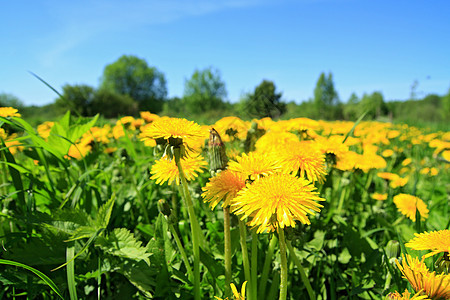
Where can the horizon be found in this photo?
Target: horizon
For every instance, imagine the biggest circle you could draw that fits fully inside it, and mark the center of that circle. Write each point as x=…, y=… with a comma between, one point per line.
x=367, y=46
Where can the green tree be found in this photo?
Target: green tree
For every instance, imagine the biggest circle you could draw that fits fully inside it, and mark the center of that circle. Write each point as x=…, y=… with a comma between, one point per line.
x=77, y=97
x=132, y=76
x=351, y=111
x=204, y=91
x=113, y=105
x=9, y=100
x=264, y=101
x=445, y=111
x=373, y=104
x=326, y=98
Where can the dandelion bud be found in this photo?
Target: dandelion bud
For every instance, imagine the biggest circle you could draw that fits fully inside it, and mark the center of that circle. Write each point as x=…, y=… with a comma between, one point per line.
x=392, y=251
x=164, y=208
x=217, y=156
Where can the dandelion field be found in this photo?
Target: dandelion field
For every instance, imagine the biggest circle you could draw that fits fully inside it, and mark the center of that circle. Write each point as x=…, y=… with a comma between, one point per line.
x=165, y=208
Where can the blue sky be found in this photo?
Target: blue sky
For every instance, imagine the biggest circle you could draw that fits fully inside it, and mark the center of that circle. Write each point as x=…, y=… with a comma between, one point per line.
x=367, y=45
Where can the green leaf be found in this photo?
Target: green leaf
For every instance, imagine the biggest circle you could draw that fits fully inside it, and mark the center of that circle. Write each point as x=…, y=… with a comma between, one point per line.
x=41, y=275
x=122, y=243
x=104, y=213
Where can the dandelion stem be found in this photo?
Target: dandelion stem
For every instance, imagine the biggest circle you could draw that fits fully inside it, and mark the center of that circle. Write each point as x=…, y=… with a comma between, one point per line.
x=266, y=267
x=227, y=250
x=302, y=271
x=254, y=261
x=243, y=235
x=194, y=225
x=283, y=275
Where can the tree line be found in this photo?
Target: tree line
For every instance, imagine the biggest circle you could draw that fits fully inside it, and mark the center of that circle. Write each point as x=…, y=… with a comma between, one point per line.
x=130, y=85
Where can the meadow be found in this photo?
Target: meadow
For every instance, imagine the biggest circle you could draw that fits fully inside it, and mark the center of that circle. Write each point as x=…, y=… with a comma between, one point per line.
x=166, y=208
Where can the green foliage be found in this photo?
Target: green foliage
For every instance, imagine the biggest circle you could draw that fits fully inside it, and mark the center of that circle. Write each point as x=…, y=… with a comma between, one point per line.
x=373, y=104
x=92, y=227
x=263, y=102
x=9, y=100
x=132, y=76
x=204, y=91
x=326, y=98
x=77, y=98
x=112, y=105
x=445, y=112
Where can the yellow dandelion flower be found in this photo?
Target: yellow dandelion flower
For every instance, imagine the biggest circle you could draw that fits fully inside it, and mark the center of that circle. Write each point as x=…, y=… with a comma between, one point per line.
x=406, y=162
x=387, y=153
x=231, y=127
x=420, y=278
x=177, y=128
x=398, y=182
x=446, y=155
x=275, y=141
x=387, y=175
x=224, y=186
x=348, y=161
x=392, y=134
x=165, y=169
x=436, y=241
x=378, y=196
x=3, y=134
x=9, y=112
x=236, y=294
x=276, y=201
x=332, y=145
x=100, y=134
x=429, y=171
x=369, y=160
x=303, y=159
x=406, y=295
x=148, y=116
x=408, y=204
x=13, y=145
x=79, y=150
x=44, y=129
x=254, y=164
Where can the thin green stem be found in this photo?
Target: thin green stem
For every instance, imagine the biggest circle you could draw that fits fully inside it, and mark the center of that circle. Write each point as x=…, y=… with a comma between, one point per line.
x=227, y=250
x=194, y=225
x=243, y=239
x=298, y=263
x=283, y=275
x=182, y=252
x=254, y=262
x=266, y=267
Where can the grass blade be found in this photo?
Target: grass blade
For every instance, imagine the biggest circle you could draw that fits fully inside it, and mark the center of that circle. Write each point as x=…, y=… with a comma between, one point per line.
x=41, y=275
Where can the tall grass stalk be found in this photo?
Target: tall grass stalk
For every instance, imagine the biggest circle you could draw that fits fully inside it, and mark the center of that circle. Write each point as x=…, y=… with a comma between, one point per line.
x=299, y=266
x=267, y=266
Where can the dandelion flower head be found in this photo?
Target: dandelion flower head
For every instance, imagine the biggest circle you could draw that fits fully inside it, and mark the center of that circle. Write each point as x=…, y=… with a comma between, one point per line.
x=277, y=201
x=304, y=159
x=436, y=241
x=420, y=278
x=166, y=170
x=224, y=186
x=9, y=112
x=166, y=128
x=255, y=165
x=408, y=204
